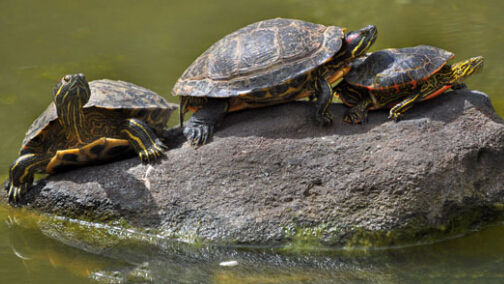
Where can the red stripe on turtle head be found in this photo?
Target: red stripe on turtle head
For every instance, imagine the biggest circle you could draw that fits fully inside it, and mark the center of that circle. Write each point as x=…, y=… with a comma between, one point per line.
x=352, y=37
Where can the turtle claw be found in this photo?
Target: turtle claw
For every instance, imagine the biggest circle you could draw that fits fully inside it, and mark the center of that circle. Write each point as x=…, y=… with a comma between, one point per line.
x=355, y=117
x=395, y=116
x=160, y=146
x=198, y=134
x=153, y=153
x=195, y=141
x=204, y=134
x=16, y=192
x=188, y=133
x=144, y=157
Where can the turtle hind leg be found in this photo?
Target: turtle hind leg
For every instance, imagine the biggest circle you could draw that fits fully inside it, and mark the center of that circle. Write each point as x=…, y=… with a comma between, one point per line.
x=144, y=140
x=21, y=174
x=102, y=149
x=396, y=111
x=323, y=92
x=358, y=114
x=200, y=127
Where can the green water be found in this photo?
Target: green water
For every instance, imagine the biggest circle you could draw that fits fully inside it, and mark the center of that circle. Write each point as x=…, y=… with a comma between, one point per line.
x=30, y=253
x=150, y=43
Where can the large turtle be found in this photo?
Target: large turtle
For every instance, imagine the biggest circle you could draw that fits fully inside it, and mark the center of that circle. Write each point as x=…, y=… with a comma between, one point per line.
x=398, y=78
x=266, y=63
x=87, y=123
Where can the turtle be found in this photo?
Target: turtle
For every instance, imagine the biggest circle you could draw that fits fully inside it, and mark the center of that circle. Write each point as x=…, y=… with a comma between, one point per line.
x=90, y=123
x=398, y=78
x=266, y=63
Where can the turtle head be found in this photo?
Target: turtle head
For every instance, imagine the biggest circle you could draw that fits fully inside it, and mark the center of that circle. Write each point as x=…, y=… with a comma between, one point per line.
x=71, y=89
x=461, y=70
x=358, y=42
x=70, y=94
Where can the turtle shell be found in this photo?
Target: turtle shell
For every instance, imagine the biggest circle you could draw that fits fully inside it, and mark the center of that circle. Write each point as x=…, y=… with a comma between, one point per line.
x=109, y=96
x=396, y=68
x=258, y=56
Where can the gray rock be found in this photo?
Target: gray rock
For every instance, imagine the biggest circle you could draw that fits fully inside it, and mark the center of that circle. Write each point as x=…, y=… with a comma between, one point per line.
x=271, y=177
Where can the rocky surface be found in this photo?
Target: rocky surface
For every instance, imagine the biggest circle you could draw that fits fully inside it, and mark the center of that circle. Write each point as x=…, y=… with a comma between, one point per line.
x=270, y=176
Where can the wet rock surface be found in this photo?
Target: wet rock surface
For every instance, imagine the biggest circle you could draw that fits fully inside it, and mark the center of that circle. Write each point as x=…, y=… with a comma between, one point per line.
x=271, y=176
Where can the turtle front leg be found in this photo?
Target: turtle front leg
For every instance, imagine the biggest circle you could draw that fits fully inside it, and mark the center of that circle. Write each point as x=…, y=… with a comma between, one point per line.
x=323, y=93
x=396, y=111
x=200, y=127
x=21, y=174
x=144, y=140
x=358, y=114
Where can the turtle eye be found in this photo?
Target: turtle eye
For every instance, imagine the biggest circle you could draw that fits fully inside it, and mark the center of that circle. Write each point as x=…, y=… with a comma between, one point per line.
x=67, y=78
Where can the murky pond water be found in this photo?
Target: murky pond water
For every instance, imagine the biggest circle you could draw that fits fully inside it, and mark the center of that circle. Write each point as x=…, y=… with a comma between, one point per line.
x=150, y=43
x=30, y=252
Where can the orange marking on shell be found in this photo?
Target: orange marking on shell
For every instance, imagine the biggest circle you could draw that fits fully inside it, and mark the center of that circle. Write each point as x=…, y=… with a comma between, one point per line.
x=236, y=104
x=437, y=93
x=373, y=87
x=348, y=104
x=413, y=85
x=391, y=105
x=302, y=95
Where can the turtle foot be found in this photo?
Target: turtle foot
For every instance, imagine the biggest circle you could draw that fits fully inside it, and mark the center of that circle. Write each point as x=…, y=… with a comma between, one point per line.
x=395, y=116
x=16, y=192
x=153, y=153
x=197, y=133
x=355, y=117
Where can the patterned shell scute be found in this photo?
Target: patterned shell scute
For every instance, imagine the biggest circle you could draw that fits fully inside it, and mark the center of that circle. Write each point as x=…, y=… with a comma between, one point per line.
x=107, y=94
x=260, y=55
x=46, y=118
x=391, y=67
x=112, y=94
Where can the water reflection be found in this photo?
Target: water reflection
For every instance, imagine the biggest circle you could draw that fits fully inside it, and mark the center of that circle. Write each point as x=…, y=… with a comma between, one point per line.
x=129, y=258
x=42, y=258
x=150, y=43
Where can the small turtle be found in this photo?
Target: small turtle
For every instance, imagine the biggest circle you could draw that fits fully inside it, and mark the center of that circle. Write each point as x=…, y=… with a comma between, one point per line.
x=398, y=78
x=88, y=123
x=266, y=63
